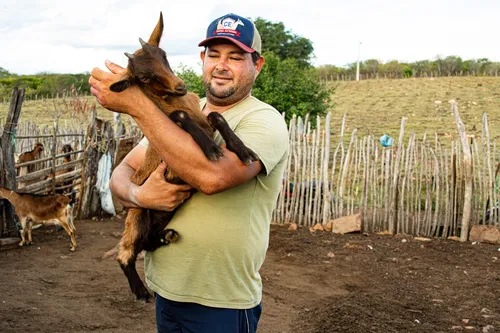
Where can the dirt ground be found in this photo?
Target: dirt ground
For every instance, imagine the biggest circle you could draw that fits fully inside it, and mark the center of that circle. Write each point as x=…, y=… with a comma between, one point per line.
x=312, y=283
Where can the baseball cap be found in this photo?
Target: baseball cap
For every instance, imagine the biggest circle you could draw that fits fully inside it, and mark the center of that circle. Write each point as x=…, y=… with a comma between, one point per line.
x=237, y=29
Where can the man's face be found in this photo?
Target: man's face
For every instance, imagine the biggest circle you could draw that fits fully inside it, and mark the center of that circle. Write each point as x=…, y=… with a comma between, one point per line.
x=228, y=73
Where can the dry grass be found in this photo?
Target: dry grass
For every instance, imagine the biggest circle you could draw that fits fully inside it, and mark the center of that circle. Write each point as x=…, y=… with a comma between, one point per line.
x=43, y=111
x=376, y=106
x=373, y=106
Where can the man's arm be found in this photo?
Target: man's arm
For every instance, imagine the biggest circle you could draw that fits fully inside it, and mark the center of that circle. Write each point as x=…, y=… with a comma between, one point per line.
x=176, y=147
x=155, y=193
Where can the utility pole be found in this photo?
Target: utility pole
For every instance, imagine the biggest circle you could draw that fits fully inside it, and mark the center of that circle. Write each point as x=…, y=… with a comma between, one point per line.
x=357, y=64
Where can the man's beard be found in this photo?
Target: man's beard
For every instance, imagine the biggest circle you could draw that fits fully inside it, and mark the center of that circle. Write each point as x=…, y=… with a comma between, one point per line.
x=225, y=97
x=221, y=94
x=229, y=95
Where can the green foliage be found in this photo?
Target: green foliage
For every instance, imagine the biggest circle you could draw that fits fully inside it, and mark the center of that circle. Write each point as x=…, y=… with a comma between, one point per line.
x=448, y=66
x=283, y=43
x=407, y=72
x=193, y=81
x=290, y=88
x=4, y=73
x=43, y=83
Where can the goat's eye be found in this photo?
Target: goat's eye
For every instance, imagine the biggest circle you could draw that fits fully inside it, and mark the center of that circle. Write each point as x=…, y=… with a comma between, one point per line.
x=144, y=79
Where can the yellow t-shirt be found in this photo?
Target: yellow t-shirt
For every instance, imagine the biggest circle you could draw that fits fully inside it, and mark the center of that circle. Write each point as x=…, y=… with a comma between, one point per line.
x=224, y=237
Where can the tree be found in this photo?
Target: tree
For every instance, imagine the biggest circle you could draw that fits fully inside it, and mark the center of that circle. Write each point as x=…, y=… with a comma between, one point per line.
x=371, y=66
x=450, y=65
x=4, y=73
x=283, y=43
x=193, y=81
x=289, y=88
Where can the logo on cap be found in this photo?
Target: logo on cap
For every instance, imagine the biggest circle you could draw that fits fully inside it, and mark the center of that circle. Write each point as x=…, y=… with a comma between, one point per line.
x=228, y=26
x=237, y=29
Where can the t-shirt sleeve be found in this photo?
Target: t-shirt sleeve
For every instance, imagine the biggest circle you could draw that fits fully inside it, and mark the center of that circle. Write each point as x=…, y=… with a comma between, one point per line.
x=144, y=142
x=266, y=133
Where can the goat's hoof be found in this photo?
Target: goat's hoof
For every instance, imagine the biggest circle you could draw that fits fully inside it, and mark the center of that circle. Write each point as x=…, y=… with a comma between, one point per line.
x=214, y=153
x=29, y=243
x=171, y=236
x=143, y=295
x=21, y=243
x=73, y=249
x=246, y=155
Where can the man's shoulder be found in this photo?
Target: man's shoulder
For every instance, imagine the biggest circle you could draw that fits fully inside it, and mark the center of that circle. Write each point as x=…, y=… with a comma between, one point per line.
x=257, y=103
x=254, y=108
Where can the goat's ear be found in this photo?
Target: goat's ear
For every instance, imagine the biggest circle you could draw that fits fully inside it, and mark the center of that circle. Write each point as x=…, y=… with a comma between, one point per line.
x=157, y=32
x=120, y=85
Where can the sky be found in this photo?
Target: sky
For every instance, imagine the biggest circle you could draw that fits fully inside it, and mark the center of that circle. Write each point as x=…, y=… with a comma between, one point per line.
x=75, y=36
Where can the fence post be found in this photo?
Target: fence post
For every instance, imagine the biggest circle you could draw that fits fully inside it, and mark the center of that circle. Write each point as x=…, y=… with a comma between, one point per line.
x=8, y=170
x=54, y=153
x=467, y=163
x=393, y=217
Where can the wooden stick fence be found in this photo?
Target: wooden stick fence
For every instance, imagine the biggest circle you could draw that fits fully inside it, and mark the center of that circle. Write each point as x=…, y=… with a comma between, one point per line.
x=420, y=187
x=89, y=140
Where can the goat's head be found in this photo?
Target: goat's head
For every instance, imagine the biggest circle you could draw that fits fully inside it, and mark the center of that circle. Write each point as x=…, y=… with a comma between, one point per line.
x=149, y=66
x=67, y=149
x=38, y=147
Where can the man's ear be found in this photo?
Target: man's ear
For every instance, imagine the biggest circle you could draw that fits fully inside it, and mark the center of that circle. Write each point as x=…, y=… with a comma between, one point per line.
x=202, y=56
x=120, y=85
x=259, y=65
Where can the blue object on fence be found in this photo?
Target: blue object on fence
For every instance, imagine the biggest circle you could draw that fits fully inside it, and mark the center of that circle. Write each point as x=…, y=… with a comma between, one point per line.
x=386, y=140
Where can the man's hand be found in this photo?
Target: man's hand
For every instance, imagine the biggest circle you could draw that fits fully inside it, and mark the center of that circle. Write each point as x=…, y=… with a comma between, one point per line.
x=129, y=101
x=156, y=193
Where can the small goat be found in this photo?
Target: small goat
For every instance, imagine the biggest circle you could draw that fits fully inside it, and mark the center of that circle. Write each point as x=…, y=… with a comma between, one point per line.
x=149, y=68
x=28, y=157
x=43, y=209
x=67, y=150
x=31, y=156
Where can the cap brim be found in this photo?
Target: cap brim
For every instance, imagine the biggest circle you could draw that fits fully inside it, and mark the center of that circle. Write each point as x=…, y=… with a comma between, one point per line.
x=239, y=44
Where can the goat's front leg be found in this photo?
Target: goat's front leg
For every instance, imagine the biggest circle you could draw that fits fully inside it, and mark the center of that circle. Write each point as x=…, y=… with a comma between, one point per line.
x=233, y=143
x=211, y=150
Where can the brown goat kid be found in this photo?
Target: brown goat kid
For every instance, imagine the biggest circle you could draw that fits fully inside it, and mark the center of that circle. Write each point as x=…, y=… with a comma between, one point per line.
x=28, y=157
x=42, y=209
x=149, y=68
x=31, y=156
x=67, y=150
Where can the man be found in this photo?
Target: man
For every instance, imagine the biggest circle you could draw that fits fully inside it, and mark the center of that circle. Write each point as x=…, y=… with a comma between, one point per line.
x=209, y=280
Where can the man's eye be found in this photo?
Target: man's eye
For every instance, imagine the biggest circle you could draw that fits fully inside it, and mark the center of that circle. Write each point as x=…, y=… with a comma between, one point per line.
x=237, y=59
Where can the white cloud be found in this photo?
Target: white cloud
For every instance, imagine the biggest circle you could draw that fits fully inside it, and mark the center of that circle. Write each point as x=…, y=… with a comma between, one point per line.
x=71, y=36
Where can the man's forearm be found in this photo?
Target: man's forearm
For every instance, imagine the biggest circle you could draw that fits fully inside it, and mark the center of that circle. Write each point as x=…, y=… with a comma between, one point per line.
x=177, y=148
x=122, y=187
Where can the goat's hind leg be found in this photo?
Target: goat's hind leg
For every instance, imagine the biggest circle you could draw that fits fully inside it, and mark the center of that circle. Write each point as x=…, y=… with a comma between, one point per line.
x=233, y=143
x=158, y=235
x=136, y=228
x=69, y=228
x=23, y=230
x=211, y=150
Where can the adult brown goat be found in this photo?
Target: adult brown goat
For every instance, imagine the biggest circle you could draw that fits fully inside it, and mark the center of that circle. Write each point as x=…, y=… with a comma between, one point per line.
x=43, y=209
x=149, y=68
